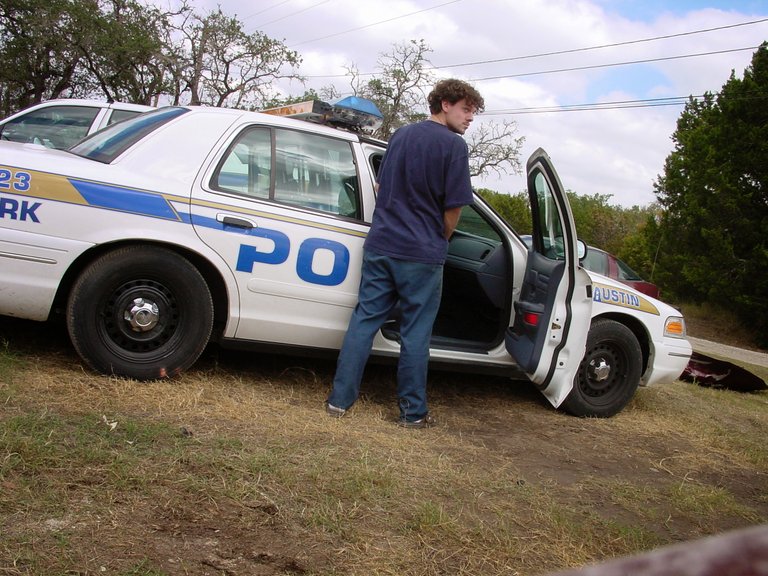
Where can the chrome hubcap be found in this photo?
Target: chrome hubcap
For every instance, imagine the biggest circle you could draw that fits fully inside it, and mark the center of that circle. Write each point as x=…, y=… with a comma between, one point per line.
x=600, y=369
x=143, y=315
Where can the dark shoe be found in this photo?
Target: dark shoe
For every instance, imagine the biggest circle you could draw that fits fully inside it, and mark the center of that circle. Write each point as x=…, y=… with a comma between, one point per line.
x=425, y=422
x=334, y=411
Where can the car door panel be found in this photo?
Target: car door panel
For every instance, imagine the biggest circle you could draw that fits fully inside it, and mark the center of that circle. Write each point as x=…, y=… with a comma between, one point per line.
x=552, y=316
x=274, y=210
x=536, y=302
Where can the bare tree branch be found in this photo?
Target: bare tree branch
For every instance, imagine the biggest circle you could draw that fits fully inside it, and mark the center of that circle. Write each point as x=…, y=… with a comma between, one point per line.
x=494, y=148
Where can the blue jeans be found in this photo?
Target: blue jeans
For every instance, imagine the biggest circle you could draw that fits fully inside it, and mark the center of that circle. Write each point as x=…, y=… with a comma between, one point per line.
x=385, y=282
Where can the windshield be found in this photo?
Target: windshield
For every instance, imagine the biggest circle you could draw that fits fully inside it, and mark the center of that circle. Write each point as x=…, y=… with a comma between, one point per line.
x=625, y=272
x=107, y=144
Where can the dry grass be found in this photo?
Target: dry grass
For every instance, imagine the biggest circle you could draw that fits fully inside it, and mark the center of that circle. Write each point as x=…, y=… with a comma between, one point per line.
x=234, y=469
x=718, y=325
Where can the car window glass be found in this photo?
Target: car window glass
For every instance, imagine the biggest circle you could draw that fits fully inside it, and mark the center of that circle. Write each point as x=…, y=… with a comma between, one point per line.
x=246, y=166
x=54, y=126
x=375, y=160
x=596, y=261
x=472, y=223
x=550, y=226
x=315, y=172
x=120, y=115
x=298, y=168
x=625, y=272
x=108, y=143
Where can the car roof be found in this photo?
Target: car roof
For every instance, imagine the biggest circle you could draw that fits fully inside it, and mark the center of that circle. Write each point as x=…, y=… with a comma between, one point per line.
x=74, y=102
x=282, y=121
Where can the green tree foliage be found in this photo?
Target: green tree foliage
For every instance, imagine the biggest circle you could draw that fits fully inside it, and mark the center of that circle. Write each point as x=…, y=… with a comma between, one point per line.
x=133, y=52
x=609, y=227
x=621, y=231
x=616, y=230
x=714, y=191
x=37, y=59
x=515, y=210
x=79, y=48
x=123, y=52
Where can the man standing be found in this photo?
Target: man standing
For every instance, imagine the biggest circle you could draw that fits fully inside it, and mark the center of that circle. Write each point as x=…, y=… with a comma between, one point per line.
x=423, y=182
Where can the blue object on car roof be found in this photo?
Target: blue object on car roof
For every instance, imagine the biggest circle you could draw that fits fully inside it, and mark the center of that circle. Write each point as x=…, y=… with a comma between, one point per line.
x=359, y=105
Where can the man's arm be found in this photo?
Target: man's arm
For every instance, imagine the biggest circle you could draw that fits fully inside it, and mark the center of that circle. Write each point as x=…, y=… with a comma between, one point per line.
x=450, y=220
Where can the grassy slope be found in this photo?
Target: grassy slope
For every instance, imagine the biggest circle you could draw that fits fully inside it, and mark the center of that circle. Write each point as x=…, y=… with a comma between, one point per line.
x=234, y=469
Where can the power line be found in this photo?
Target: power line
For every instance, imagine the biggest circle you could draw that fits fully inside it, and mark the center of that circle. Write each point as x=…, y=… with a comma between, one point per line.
x=560, y=52
x=594, y=66
x=618, y=104
x=579, y=68
x=587, y=48
x=295, y=13
x=267, y=9
x=374, y=24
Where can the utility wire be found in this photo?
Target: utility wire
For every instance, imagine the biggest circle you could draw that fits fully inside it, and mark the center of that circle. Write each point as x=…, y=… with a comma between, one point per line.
x=373, y=24
x=594, y=66
x=619, y=104
x=267, y=9
x=560, y=52
x=295, y=13
x=587, y=48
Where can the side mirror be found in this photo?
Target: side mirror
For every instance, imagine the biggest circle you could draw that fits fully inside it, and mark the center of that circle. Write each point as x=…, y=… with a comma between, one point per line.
x=581, y=248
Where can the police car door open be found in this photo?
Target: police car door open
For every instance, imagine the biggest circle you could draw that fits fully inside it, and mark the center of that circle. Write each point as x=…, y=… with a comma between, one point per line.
x=548, y=336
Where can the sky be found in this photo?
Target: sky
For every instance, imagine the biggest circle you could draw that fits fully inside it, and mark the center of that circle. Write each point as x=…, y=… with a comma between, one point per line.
x=647, y=50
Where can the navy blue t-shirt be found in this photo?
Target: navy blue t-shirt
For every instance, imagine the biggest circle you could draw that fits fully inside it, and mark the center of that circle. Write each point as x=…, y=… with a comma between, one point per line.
x=425, y=171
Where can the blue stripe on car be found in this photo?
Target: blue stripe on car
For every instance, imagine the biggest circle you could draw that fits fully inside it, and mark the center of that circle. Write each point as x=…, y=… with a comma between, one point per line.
x=125, y=199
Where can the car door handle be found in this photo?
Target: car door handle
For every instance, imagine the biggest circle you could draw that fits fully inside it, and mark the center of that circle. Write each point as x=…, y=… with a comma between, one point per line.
x=235, y=221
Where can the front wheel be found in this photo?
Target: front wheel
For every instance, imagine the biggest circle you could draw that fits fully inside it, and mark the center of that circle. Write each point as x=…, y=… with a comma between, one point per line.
x=140, y=311
x=609, y=373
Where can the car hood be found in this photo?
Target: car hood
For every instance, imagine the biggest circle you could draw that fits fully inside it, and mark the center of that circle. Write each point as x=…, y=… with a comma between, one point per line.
x=605, y=283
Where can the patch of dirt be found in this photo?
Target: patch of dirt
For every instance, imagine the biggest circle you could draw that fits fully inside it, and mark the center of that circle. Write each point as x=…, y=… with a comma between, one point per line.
x=216, y=539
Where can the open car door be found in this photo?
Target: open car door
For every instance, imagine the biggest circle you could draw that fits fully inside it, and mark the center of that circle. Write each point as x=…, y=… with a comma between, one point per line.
x=552, y=316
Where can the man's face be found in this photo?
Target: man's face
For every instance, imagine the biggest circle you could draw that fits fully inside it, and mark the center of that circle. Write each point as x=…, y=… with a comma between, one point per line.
x=458, y=116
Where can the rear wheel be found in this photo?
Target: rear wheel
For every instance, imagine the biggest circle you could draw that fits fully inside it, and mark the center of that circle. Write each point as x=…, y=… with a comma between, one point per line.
x=140, y=311
x=609, y=373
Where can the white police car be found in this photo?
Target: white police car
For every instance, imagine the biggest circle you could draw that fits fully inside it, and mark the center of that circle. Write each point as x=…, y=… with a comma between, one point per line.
x=187, y=225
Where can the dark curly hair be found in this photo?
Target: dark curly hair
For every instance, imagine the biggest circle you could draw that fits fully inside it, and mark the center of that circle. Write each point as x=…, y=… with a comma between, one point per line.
x=454, y=90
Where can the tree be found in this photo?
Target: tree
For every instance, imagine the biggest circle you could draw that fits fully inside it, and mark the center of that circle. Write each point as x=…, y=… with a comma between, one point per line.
x=515, y=210
x=714, y=191
x=228, y=67
x=400, y=88
x=125, y=52
x=37, y=57
x=493, y=148
x=113, y=49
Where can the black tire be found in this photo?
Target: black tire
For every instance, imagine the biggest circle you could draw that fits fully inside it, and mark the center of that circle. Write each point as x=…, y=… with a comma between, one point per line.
x=609, y=373
x=140, y=311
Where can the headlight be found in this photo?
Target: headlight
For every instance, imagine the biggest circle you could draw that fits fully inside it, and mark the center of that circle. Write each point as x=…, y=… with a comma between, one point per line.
x=674, y=327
